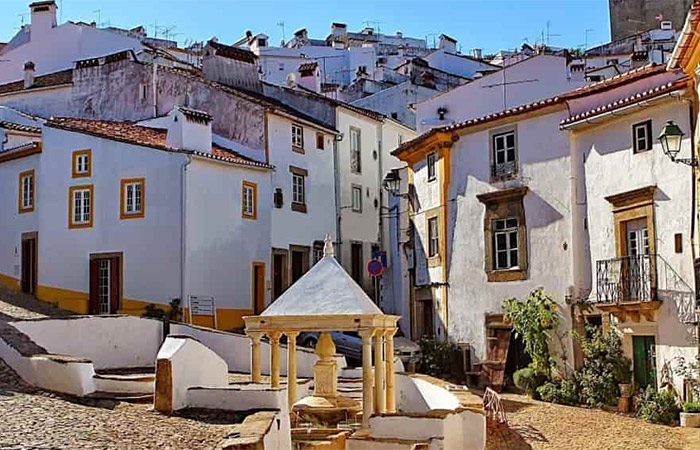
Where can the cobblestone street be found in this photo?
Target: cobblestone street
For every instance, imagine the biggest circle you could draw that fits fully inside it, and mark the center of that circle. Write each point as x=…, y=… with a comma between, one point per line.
x=32, y=419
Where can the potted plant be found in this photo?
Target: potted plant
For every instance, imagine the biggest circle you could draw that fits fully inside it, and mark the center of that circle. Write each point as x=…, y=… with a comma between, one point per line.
x=624, y=382
x=690, y=416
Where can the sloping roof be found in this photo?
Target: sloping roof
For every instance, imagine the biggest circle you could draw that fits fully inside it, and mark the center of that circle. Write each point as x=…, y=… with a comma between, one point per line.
x=131, y=133
x=620, y=103
x=228, y=51
x=617, y=80
x=52, y=79
x=326, y=289
x=19, y=127
x=20, y=151
x=365, y=112
x=687, y=40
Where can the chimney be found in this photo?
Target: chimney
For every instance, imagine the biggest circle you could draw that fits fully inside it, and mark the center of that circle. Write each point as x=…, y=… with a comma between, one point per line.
x=232, y=66
x=189, y=129
x=310, y=76
x=399, y=34
x=448, y=44
x=28, y=74
x=477, y=53
x=43, y=17
x=338, y=29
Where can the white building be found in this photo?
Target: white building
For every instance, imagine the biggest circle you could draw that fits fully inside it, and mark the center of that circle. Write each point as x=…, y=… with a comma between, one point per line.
x=534, y=78
x=109, y=217
x=633, y=215
x=53, y=47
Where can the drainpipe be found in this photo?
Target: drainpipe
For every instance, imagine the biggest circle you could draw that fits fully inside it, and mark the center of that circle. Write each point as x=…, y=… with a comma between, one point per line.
x=155, y=83
x=183, y=234
x=336, y=179
x=380, y=171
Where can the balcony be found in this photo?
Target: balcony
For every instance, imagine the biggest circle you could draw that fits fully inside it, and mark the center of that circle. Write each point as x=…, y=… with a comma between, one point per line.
x=632, y=286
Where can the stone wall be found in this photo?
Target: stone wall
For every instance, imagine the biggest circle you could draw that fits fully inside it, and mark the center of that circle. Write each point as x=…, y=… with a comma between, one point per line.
x=628, y=17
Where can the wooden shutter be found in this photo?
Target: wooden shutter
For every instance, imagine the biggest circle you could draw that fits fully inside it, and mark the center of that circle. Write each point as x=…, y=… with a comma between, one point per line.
x=115, y=284
x=94, y=277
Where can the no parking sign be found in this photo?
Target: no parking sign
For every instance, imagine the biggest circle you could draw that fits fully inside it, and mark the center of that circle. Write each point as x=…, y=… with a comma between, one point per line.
x=375, y=268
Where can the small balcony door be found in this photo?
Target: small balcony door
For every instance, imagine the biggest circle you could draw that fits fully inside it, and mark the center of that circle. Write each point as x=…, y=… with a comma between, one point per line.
x=638, y=271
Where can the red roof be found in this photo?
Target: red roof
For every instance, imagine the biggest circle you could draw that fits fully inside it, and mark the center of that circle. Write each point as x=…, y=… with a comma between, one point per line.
x=132, y=133
x=638, y=97
x=685, y=41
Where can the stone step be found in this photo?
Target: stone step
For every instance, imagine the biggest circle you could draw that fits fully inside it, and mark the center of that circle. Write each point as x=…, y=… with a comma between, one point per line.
x=121, y=397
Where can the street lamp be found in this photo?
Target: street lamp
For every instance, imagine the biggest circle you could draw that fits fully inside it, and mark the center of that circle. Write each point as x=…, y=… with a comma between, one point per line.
x=392, y=182
x=671, y=137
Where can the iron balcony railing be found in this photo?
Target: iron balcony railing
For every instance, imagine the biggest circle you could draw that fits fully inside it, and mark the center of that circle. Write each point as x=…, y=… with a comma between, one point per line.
x=627, y=279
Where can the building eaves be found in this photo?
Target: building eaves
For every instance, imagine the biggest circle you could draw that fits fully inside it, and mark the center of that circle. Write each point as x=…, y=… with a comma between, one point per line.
x=688, y=39
x=624, y=102
x=230, y=52
x=55, y=79
x=129, y=132
x=20, y=151
x=617, y=80
x=459, y=126
x=19, y=127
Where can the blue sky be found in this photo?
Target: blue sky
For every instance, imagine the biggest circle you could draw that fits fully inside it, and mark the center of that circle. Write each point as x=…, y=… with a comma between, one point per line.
x=487, y=24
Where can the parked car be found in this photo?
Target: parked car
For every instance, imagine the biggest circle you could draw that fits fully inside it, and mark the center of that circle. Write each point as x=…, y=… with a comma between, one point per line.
x=349, y=343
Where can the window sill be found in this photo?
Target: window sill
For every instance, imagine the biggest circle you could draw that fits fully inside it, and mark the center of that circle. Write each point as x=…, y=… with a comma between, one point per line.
x=25, y=210
x=299, y=207
x=432, y=180
x=79, y=225
x=502, y=276
x=249, y=217
x=501, y=178
x=127, y=216
x=296, y=149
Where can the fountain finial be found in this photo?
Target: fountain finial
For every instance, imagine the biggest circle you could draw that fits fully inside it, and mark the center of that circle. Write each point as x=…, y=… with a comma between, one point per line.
x=328, y=249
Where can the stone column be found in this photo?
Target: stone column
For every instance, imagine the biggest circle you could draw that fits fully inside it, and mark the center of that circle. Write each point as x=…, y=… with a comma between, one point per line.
x=366, y=376
x=292, y=367
x=275, y=358
x=390, y=375
x=379, y=372
x=255, y=356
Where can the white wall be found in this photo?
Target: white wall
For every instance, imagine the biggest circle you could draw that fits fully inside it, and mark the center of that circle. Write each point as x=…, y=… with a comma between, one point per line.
x=607, y=150
x=221, y=244
x=292, y=227
x=108, y=341
x=543, y=157
x=12, y=223
x=544, y=76
x=149, y=245
x=57, y=48
x=397, y=99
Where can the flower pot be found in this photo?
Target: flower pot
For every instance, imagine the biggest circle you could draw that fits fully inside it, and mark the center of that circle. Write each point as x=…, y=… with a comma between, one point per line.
x=690, y=420
x=625, y=390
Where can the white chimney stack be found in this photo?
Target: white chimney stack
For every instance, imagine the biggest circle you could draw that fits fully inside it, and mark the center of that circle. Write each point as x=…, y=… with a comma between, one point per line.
x=43, y=17
x=477, y=53
x=28, y=74
x=189, y=129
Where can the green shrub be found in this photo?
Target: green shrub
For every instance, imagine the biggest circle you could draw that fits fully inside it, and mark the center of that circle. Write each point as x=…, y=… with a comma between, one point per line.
x=529, y=380
x=658, y=406
x=153, y=312
x=564, y=392
x=691, y=407
x=533, y=321
x=605, y=367
x=435, y=356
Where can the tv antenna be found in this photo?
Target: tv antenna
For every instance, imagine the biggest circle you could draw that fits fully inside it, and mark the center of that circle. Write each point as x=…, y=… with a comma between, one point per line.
x=281, y=25
x=549, y=33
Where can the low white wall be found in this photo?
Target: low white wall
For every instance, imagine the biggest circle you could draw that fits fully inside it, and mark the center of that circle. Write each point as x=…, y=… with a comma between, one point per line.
x=124, y=386
x=42, y=371
x=72, y=377
x=235, y=398
x=108, y=341
x=405, y=427
x=414, y=395
x=191, y=364
x=235, y=350
x=279, y=436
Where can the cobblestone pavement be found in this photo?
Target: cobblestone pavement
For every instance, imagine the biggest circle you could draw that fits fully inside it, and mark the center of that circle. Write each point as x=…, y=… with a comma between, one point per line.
x=539, y=425
x=33, y=419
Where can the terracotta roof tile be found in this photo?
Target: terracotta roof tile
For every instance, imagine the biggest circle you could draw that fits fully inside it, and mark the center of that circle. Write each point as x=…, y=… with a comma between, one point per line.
x=132, y=133
x=623, y=78
x=19, y=127
x=230, y=52
x=640, y=96
x=48, y=80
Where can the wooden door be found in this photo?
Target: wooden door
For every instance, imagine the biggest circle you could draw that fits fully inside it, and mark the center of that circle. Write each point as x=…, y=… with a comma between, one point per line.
x=258, y=288
x=29, y=265
x=356, y=262
x=644, y=360
x=279, y=272
x=105, y=284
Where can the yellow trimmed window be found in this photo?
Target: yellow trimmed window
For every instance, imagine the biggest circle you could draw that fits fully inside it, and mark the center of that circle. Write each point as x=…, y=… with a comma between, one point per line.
x=26, y=191
x=82, y=163
x=250, y=200
x=133, y=198
x=81, y=201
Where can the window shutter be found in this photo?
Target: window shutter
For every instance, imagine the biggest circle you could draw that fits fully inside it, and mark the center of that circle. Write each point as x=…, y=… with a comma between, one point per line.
x=94, y=276
x=278, y=198
x=114, y=284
